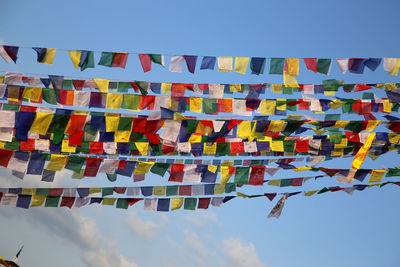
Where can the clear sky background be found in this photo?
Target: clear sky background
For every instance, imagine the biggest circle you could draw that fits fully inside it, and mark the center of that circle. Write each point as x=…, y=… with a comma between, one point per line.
x=326, y=230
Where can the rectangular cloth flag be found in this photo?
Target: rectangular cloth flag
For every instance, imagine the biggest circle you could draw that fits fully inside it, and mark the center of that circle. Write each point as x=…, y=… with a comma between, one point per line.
x=276, y=65
x=208, y=63
x=45, y=55
x=324, y=65
x=113, y=59
x=241, y=64
x=225, y=64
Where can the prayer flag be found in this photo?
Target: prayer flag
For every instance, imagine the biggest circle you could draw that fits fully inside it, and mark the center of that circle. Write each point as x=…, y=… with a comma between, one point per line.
x=208, y=63
x=225, y=64
x=276, y=65
x=241, y=64
x=45, y=55
x=277, y=210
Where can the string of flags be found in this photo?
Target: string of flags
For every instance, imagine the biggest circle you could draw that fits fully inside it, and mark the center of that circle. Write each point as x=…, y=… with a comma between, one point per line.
x=110, y=123
x=328, y=87
x=288, y=67
x=55, y=199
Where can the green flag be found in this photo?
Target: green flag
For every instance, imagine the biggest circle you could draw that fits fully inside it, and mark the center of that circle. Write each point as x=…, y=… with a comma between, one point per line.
x=172, y=190
x=106, y=59
x=75, y=163
x=324, y=65
x=242, y=175
x=52, y=201
x=160, y=168
x=122, y=203
x=190, y=203
x=276, y=66
x=157, y=58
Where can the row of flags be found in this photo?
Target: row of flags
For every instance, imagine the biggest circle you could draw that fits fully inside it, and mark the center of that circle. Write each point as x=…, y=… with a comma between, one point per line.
x=167, y=105
x=46, y=165
x=328, y=87
x=288, y=67
x=166, y=204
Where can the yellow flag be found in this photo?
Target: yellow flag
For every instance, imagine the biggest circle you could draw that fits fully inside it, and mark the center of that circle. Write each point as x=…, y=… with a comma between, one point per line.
x=267, y=107
x=196, y=104
x=283, y=106
x=37, y=201
x=94, y=190
x=212, y=168
x=143, y=147
x=276, y=88
x=29, y=191
x=310, y=193
x=376, y=176
x=41, y=123
x=289, y=80
x=362, y=153
x=225, y=175
x=371, y=125
x=244, y=129
x=241, y=64
x=219, y=189
x=277, y=146
x=112, y=122
x=65, y=147
x=49, y=57
x=235, y=87
x=276, y=126
x=122, y=136
x=336, y=103
x=210, y=149
x=275, y=182
x=394, y=138
x=293, y=66
x=102, y=85
x=303, y=168
x=114, y=101
x=176, y=203
x=75, y=57
x=396, y=68
x=143, y=167
x=108, y=201
x=341, y=124
x=195, y=138
x=57, y=162
x=32, y=93
x=166, y=88
x=241, y=195
x=159, y=190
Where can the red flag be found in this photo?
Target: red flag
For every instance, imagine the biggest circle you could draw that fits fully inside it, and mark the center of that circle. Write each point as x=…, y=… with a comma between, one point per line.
x=5, y=156
x=67, y=202
x=257, y=175
x=120, y=60
x=132, y=201
x=145, y=61
x=92, y=166
x=204, y=203
x=311, y=64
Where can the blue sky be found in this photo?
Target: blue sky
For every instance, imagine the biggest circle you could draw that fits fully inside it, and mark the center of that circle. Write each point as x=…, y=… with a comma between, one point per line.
x=325, y=230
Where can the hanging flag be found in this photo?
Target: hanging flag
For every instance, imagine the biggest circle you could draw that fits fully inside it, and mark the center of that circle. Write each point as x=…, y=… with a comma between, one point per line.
x=289, y=80
x=11, y=52
x=191, y=63
x=241, y=64
x=257, y=65
x=225, y=64
x=343, y=63
x=158, y=59
x=311, y=64
x=277, y=65
x=292, y=66
x=208, y=63
x=145, y=61
x=45, y=55
x=324, y=65
x=176, y=64
x=277, y=210
x=113, y=59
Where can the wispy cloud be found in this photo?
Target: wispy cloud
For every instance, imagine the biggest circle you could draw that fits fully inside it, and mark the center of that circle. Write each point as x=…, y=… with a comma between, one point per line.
x=146, y=229
x=238, y=253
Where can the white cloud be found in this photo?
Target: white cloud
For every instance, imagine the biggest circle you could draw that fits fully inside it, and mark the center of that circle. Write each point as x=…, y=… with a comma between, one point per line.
x=105, y=258
x=145, y=229
x=203, y=219
x=74, y=230
x=240, y=254
x=192, y=240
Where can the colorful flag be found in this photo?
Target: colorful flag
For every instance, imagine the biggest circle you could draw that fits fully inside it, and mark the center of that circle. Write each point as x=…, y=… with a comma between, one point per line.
x=45, y=55
x=113, y=59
